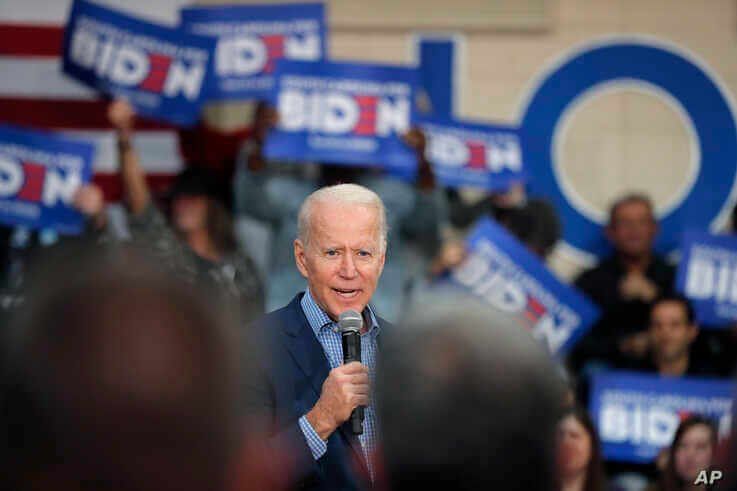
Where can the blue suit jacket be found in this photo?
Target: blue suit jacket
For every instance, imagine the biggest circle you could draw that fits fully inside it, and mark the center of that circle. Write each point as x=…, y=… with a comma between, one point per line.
x=294, y=370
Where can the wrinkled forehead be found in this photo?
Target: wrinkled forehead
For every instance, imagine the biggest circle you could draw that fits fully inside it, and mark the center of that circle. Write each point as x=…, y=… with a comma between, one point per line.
x=340, y=222
x=668, y=310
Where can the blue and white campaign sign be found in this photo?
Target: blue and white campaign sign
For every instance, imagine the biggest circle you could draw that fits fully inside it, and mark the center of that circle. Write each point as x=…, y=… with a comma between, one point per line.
x=502, y=272
x=473, y=154
x=343, y=113
x=251, y=38
x=657, y=68
x=39, y=174
x=637, y=414
x=162, y=72
x=707, y=276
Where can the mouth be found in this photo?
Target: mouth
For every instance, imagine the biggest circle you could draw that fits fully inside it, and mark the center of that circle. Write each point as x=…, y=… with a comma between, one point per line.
x=346, y=293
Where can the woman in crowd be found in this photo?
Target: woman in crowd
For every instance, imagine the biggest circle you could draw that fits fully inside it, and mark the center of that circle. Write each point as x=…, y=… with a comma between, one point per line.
x=692, y=451
x=199, y=243
x=578, y=453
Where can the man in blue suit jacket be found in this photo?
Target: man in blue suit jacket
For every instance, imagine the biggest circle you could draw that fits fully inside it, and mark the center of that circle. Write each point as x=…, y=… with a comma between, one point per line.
x=306, y=392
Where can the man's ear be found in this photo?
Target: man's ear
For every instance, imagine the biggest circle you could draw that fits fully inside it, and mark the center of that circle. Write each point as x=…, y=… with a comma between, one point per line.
x=299, y=257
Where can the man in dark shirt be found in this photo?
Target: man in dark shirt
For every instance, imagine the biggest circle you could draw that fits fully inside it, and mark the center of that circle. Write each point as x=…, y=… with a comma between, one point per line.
x=623, y=286
x=672, y=333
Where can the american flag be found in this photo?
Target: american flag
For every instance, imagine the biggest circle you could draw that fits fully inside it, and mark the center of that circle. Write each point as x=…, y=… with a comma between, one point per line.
x=35, y=93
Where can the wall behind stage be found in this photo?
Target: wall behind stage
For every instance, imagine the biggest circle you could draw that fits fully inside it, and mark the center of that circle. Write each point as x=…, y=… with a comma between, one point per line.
x=622, y=140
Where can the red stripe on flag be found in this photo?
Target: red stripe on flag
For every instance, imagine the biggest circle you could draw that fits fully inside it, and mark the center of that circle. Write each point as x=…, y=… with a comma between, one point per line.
x=477, y=155
x=34, y=183
x=112, y=186
x=64, y=114
x=30, y=40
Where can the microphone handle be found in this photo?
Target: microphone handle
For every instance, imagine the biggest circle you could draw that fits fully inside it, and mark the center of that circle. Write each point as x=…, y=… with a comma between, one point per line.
x=352, y=352
x=357, y=421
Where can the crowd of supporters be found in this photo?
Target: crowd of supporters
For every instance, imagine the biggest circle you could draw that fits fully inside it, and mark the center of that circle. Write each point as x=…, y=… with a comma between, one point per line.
x=225, y=246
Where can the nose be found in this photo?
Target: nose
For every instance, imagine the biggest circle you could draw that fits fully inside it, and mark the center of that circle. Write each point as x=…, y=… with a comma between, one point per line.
x=348, y=267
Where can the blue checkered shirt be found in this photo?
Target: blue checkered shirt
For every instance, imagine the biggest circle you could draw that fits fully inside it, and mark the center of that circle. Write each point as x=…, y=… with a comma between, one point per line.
x=327, y=333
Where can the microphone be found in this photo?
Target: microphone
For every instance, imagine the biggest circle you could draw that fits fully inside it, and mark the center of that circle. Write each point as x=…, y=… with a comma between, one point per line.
x=350, y=323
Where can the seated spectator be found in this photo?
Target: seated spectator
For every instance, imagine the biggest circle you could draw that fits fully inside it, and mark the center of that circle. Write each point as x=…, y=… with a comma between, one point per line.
x=273, y=192
x=672, y=332
x=200, y=242
x=578, y=459
x=692, y=451
x=468, y=400
x=623, y=286
x=118, y=378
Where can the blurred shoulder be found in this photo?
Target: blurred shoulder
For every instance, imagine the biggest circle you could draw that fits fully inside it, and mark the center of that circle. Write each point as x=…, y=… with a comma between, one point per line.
x=289, y=317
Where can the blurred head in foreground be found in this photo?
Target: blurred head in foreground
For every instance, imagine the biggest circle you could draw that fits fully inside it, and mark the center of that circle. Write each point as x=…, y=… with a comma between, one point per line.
x=118, y=378
x=468, y=400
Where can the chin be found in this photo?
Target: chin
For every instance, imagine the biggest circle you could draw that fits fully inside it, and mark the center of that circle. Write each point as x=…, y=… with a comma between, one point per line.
x=339, y=305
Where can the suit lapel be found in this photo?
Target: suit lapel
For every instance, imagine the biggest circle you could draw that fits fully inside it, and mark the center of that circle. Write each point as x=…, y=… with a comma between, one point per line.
x=309, y=356
x=304, y=347
x=345, y=429
x=359, y=460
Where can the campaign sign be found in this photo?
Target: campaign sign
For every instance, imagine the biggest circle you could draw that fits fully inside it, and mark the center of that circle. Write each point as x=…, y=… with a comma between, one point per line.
x=250, y=40
x=472, y=154
x=39, y=174
x=162, y=72
x=637, y=414
x=505, y=274
x=341, y=113
x=707, y=276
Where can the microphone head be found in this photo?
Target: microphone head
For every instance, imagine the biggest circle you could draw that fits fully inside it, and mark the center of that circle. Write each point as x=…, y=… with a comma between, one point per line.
x=350, y=320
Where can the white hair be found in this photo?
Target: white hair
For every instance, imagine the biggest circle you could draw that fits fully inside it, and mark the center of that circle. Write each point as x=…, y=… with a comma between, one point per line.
x=341, y=194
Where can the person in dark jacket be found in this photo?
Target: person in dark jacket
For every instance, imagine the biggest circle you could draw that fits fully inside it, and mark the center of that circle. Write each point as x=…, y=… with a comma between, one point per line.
x=672, y=332
x=307, y=393
x=624, y=286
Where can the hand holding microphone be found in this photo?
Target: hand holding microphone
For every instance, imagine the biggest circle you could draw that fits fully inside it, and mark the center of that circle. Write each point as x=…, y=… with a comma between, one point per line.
x=350, y=323
x=346, y=388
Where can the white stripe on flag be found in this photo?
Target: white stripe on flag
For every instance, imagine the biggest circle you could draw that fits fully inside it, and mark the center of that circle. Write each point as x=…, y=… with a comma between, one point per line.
x=39, y=77
x=57, y=11
x=158, y=150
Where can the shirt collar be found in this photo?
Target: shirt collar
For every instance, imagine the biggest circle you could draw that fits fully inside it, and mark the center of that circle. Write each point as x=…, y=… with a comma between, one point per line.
x=319, y=319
